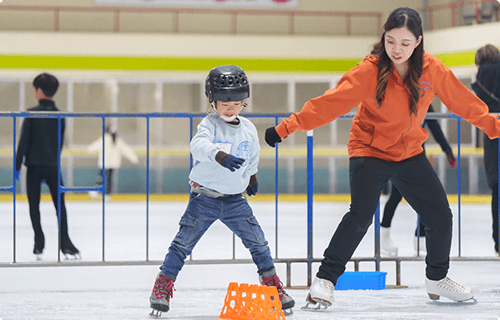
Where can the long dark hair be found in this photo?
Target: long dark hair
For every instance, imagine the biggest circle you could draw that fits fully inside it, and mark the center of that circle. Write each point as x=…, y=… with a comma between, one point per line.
x=409, y=18
x=112, y=133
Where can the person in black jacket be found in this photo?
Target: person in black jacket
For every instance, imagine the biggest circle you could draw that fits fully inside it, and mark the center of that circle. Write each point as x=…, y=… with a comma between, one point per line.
x=386, y=244
x=487, y=88
x=39, y=148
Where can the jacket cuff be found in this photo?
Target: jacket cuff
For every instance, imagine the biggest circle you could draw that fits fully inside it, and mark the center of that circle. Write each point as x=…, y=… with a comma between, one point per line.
x=281, y=130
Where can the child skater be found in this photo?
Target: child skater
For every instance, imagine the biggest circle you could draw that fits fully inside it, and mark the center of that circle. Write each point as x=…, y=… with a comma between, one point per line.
x=226, y=153
x=393, y=88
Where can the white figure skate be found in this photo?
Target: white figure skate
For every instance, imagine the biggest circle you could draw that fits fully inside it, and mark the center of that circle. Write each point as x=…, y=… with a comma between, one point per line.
x=386, y=245
x=320, y=295
x=448, y=289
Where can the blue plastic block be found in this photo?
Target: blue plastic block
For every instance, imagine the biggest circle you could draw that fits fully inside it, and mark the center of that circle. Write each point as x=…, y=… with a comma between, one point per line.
x=361, y=280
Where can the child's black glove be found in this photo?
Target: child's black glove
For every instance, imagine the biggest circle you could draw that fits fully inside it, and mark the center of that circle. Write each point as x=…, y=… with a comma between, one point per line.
x=272, y=137
x=253, y=186
x=229, y=161
x=252, y=189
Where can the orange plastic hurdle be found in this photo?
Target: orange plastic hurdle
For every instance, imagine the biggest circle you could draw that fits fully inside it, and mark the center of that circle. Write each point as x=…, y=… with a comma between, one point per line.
x=251, y=302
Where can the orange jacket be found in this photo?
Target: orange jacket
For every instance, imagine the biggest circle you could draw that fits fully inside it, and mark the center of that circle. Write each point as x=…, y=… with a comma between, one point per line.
x=390, y=132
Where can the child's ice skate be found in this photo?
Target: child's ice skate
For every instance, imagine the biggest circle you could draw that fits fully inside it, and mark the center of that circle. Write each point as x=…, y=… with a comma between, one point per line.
x=386, y=244
x=271, y=279
x=448, y=289
x=320, y=295
x=159, y=300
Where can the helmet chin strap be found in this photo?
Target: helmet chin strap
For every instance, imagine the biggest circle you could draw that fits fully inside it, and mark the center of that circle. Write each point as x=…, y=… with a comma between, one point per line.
x=226, y=119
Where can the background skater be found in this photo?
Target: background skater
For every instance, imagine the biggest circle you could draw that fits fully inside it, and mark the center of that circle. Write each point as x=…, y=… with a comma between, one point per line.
x=39, y=148
x=114, y=149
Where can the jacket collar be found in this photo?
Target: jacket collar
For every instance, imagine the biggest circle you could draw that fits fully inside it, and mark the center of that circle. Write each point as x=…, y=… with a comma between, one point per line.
x=47, y=103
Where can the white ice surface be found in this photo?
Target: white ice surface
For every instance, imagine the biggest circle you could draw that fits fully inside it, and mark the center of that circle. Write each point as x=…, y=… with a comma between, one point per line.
x=121, y=292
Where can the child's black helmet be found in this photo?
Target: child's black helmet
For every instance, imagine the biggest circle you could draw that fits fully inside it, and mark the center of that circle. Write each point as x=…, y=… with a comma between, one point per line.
x=227, y=83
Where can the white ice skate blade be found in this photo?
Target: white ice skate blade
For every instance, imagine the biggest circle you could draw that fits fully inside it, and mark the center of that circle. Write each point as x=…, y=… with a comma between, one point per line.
x=317, y=306
x=39, y=257
x=449, y=302
x=155, y=314
x=288, y=312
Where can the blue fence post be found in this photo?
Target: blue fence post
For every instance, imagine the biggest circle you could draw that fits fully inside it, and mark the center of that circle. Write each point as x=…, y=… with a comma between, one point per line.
x=59, y=188
x=310, y=195
x=377, y=237
x=459, y=192
x=498, y=195
x=103, y=190
x=14, y=160
x=276, y=185
x=147, y=188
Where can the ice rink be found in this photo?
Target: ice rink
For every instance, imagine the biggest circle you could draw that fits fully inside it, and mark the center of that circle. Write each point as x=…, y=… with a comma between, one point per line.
x=121, y=292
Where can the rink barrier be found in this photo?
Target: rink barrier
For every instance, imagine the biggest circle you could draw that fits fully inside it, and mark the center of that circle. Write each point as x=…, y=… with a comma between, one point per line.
x=377, y=259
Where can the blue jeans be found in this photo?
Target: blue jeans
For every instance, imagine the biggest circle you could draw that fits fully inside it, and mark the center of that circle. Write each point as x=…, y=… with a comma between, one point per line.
x=200, y=214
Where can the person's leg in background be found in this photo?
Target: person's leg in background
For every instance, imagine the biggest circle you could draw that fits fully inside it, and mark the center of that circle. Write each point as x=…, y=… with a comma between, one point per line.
x=386, y=244
x=67, y=246
x=109, y=184
x=494, y=213
x=491, y=169
x=33, y=189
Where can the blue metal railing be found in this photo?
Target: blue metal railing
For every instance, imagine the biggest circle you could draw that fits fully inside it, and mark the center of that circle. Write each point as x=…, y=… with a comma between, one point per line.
x=191, y=116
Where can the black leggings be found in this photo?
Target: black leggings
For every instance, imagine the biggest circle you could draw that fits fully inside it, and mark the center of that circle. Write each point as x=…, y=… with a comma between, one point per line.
x=417, y=181
x=390, y=208
x=109, y=180
x=494, y=212
x=34, y=178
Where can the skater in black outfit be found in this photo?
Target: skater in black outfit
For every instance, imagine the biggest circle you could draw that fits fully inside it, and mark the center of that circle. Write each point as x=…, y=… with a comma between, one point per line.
x=487, y=87
x=38, y=147
x=386, y=244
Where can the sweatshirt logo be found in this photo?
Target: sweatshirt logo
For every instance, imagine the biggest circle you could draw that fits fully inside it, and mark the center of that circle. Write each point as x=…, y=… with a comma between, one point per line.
x=243, y=151
x=424, y=87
